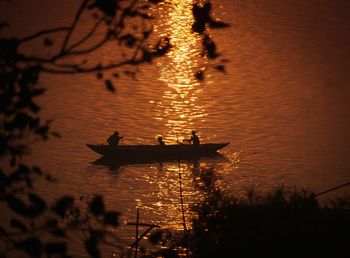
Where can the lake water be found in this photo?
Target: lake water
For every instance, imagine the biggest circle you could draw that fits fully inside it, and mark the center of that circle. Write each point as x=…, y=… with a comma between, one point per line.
x=283, y=104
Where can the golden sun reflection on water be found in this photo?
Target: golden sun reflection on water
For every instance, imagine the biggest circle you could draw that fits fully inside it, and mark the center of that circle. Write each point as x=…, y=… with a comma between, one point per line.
x=179, y=107
x=170, y=192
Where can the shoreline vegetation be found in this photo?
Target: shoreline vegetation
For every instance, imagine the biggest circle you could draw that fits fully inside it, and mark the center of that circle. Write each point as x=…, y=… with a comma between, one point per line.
x=283, y=223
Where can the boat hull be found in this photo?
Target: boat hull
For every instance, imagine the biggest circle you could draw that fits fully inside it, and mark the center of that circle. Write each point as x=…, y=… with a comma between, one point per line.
x=155, y=152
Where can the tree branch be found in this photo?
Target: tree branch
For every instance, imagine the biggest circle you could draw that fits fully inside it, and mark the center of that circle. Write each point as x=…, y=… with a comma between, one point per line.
x=76, y=19
x=86, y=37
x=65, y=54
x=86, y=51
x=51, y=66
x=72, y=69
x=43, y=32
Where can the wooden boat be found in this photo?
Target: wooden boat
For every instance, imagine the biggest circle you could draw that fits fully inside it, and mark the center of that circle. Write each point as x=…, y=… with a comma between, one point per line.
x=155, y=152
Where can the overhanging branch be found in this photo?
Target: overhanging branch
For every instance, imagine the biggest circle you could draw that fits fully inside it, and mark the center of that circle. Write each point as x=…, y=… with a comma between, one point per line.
x=76, y=69
x=86, y=37
x=76, y=19
x=43, y=32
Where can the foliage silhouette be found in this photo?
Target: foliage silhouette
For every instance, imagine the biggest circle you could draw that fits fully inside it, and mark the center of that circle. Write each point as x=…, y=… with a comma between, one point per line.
x=30, y=219
x=283, y=223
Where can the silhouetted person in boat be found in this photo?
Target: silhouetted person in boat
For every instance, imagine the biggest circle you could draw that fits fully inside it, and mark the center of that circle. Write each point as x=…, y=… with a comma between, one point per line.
x=194, y=139
x=114, y=139
x=161, y=143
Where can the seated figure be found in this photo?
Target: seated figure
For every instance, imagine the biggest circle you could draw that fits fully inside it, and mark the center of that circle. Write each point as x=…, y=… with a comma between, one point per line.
x=114, y=139
x=161, y=143
x=194, y=139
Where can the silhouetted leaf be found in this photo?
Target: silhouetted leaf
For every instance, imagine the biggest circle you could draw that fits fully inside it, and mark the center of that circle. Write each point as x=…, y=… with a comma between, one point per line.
x=17, y=205
x=128, y=39
x=55, y=248
x=220, y=68
x=8, y=47
x=108, y=21
x=50, y=178
x=37, y=170
x=146, y=33
x=218, y=24
x=34, y=123
x=30, y=76
x=21, y=171
x=91, y=247
x=97, y=206
x=98, y=234
x=130, y=12
x=99, y=76
x=13, y=159
x=144, y=6
x=168, y=253
x=21, y=121
x=48, y=42
x=19, y=225
x=56, y=134
x=198, y=26
x=111, y=218
x=129, y=73
x=63, y=205
x=106, y=6
x=54, y=229
x=51, y=223
x=34, y=107
x=162, y=47
x=43, y=131
x=155, y=237
x=146, y=55
x=3, y=232
x=3, y=25
x=199, y=75
x=209, y=47
x=39, y=205
x=155, y=1
x=201, y=16
x=32, y=246
x=109, y=86
x=37, y=92
x=145, y=15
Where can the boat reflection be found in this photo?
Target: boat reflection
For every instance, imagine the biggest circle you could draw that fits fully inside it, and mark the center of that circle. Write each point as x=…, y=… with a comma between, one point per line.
x=115, y=164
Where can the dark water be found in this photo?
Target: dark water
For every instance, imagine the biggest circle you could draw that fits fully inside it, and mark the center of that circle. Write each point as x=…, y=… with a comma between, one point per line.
x=283, y=104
